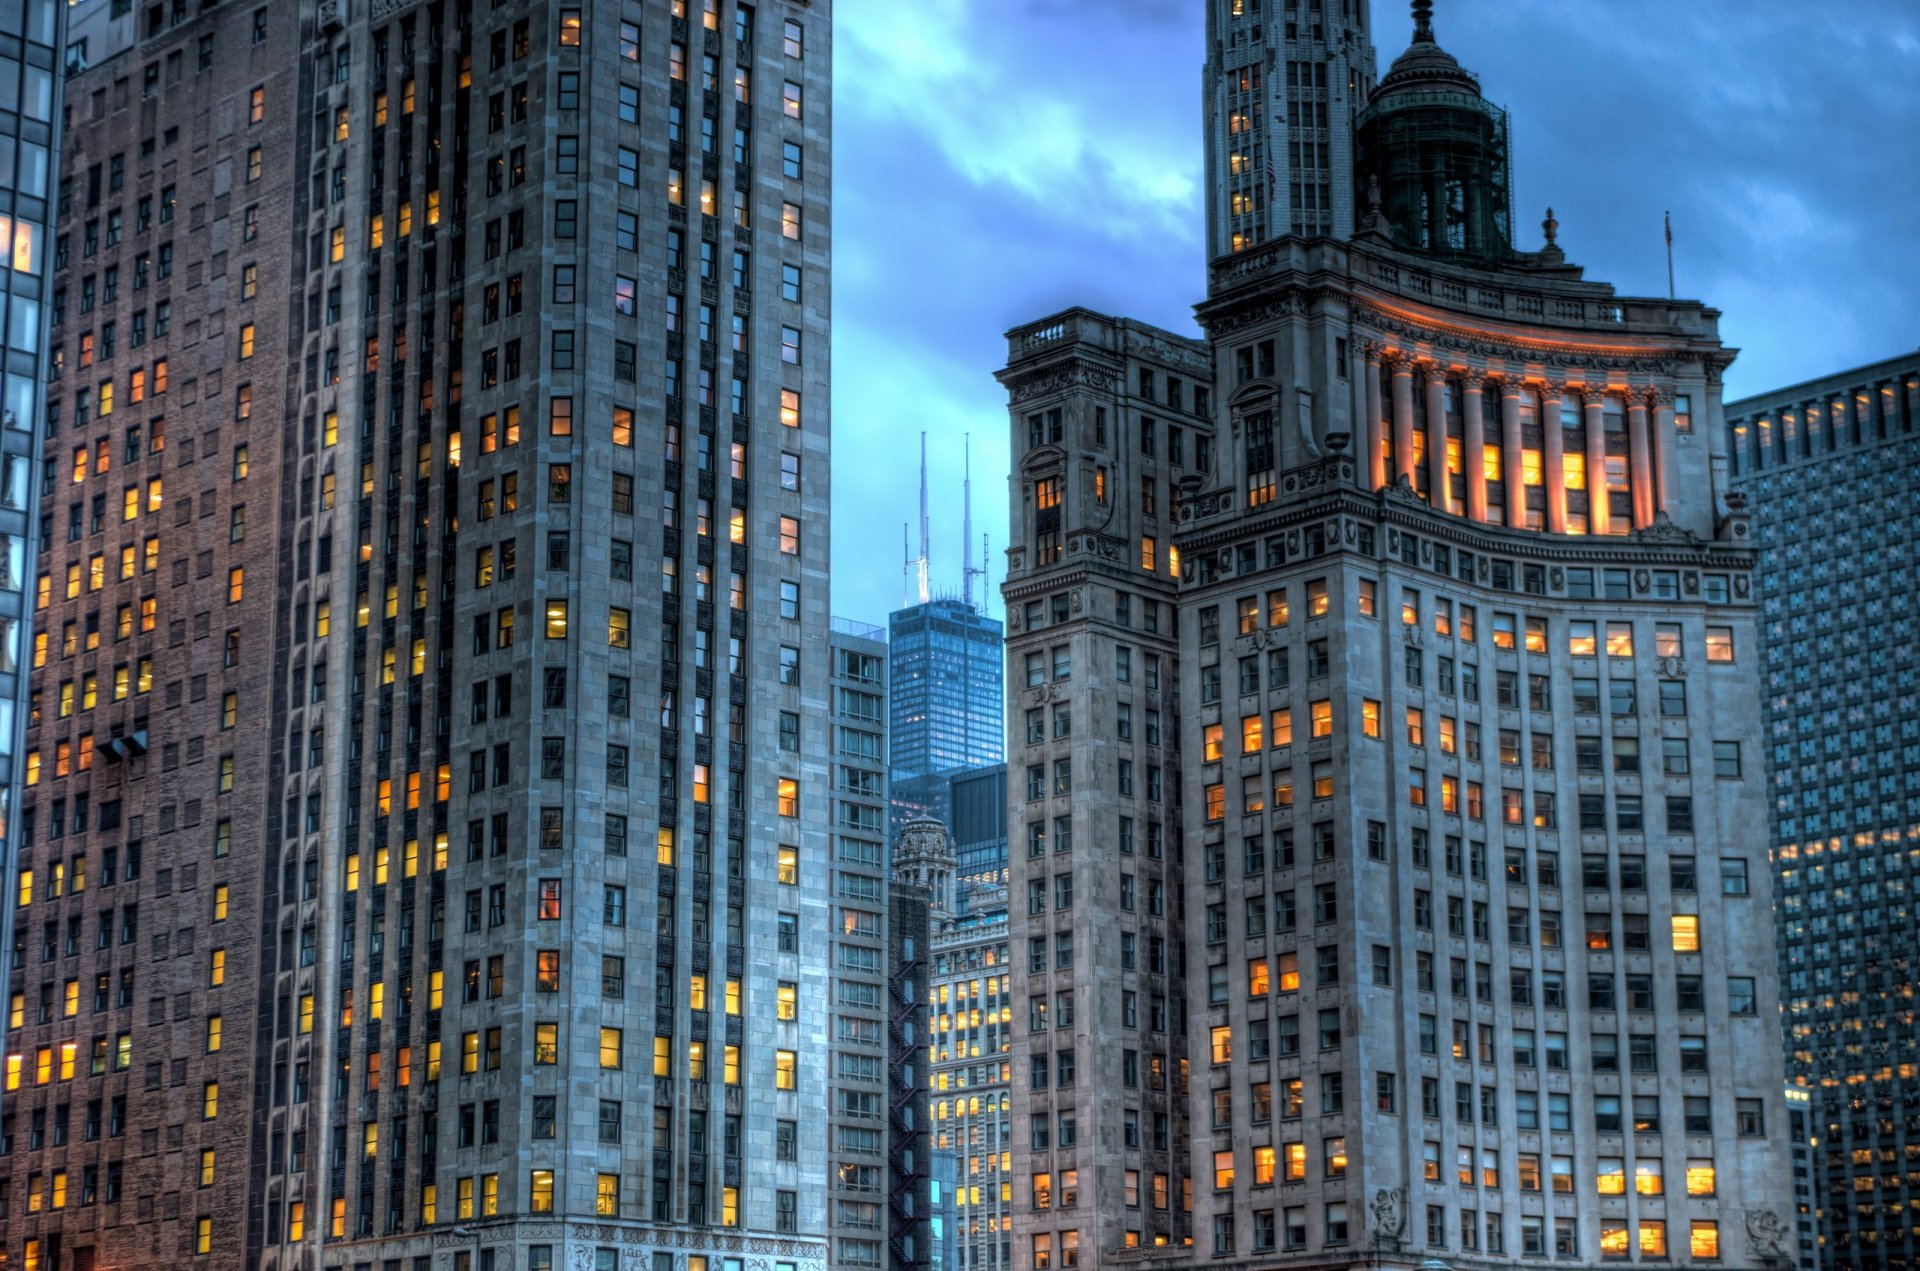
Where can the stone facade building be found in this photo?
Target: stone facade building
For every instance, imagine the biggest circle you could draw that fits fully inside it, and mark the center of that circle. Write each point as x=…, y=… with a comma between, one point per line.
x=1828, y=468
x=437, y=684
x=1392, y=811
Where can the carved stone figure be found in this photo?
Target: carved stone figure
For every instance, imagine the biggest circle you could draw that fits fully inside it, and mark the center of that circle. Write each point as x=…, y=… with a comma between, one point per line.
x=1767, y=1235
x=1389, y=1210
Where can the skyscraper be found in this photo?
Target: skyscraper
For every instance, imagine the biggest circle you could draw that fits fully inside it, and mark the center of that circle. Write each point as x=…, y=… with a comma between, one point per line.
x=1828, y=469
x=945, y=678
x=1387, y=812
x=420, y=871
x=30, y=43
x=866, y=948
x=1284, y=81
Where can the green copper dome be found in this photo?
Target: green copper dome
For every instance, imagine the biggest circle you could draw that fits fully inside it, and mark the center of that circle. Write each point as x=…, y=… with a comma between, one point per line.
x=1431, y=161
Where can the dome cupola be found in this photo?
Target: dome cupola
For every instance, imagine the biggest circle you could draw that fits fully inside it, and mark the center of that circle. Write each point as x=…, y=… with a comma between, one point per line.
x=1432, y=156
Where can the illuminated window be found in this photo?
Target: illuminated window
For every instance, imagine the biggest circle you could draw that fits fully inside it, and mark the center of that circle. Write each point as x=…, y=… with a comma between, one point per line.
x=788, y=793
x=786, y=1070
x=556, y=620
x=540, y=1191
x=1686, y=933
x=606, y=1195
x=1703, y=1239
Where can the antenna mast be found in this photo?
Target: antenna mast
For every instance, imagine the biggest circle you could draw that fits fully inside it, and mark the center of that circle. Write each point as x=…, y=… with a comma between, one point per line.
x=906, y=565
x=967, y=568
x=925, y=593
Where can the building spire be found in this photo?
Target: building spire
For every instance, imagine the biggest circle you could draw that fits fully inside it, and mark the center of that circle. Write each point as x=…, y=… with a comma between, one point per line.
x=1423, y=21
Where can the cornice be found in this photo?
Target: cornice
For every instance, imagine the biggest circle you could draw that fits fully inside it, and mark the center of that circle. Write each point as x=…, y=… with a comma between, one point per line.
x=1663, y=546
x=1075, y=370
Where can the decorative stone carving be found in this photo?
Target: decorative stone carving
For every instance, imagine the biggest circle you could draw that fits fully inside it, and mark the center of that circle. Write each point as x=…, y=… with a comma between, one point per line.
x=1663, y=530
x=1058, y=379
x=1767, y=1236
x=1389, y=1210
x=1556, y=578
x=1642, y=580
x=1254, y=315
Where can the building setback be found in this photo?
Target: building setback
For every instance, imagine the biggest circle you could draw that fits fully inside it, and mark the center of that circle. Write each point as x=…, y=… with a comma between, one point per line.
x=1386, y=805
x=1828, y=469
x=438, y=390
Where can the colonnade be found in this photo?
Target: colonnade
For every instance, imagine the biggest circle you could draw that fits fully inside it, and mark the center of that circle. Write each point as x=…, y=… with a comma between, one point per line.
x=1390, y=414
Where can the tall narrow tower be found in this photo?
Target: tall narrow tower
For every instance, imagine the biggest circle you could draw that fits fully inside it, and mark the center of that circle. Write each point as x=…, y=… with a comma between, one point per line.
x=1283, y=82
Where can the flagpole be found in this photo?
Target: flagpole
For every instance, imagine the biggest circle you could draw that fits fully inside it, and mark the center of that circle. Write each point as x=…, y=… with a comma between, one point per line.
x=1670, y=255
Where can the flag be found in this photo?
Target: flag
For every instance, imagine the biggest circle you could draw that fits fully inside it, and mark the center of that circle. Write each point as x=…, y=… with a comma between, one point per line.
x=1669, y=229
x=1273, y=180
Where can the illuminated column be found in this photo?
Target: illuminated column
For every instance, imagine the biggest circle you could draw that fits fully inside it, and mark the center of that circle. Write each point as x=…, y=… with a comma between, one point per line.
x=1403, y=418
x=1640, y=459
x=1510, y=444
x=1664, y=472
x=1553, y=456
x=1599, y=510
x=1473, y=441
x=1370, y=432
x=1441, y=496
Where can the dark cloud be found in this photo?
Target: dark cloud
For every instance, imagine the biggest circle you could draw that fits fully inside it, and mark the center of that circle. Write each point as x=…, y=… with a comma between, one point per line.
x=997, y=161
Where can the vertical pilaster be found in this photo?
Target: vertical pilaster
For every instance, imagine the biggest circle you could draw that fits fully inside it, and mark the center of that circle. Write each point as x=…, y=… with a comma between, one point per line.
x=1510, y=389
x=1441, y=496
x=1640, y=459
x=1664, y=474
x=1553, y=456
x=1473, y=442
x=1599, y=509
x=1371, y=431
x=1403, y=418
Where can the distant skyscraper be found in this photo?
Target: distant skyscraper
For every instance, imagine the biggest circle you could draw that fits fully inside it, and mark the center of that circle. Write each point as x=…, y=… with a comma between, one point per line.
x=944, y=670
x=1388, y=876
x=1829, y=469
x=1284, y=81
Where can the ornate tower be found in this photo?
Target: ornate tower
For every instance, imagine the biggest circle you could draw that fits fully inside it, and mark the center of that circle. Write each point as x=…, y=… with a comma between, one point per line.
x=1283, y=83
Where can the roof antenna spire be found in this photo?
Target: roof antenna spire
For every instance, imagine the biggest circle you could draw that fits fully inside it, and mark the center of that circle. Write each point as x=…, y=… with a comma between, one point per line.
x=968, y=571
x=1423, y=21
x=925, y=591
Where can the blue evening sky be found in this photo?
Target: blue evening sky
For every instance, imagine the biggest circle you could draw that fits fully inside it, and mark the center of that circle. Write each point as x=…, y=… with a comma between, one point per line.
x=998, y=160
